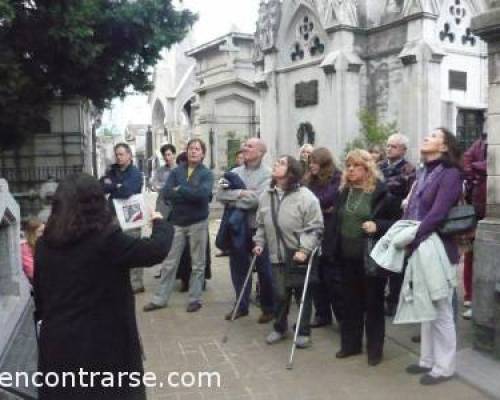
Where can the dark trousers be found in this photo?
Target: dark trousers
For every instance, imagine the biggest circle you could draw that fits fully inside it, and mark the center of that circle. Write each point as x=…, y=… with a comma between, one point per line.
x=365, y=312
x=327, y=293
x=395, y=283
x=283, y=298
x=239, y=263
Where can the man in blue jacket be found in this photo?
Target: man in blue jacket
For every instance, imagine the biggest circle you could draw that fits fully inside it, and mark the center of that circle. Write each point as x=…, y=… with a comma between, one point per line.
x=121, y=181
x=189, y=191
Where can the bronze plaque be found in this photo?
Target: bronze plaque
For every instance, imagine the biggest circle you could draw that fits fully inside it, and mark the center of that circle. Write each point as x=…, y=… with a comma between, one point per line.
x=306, y=94
x=457, y=80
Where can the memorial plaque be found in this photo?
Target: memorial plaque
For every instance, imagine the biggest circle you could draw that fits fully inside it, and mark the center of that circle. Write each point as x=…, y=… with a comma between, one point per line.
x=306, y=94
x=457, y=80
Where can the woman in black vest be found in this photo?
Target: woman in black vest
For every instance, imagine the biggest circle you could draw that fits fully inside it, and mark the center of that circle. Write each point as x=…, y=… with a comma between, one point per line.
x=365, y=211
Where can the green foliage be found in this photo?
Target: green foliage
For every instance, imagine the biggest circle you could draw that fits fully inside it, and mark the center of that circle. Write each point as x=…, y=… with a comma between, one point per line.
x=373, y=131
x=93, y=49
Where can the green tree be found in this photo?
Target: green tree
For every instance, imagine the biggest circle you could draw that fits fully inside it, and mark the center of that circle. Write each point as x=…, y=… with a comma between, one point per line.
x=94, y=49
x=373, y=131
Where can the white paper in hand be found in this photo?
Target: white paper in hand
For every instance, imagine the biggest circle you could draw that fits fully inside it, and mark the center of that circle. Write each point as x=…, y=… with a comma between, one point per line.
x=131, y=212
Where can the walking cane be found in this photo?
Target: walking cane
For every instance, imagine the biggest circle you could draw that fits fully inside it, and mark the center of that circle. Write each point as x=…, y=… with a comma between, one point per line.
x=236, y=307
x=302, y=299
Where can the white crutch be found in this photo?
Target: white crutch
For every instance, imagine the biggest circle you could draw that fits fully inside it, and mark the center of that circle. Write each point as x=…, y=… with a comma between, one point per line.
x=304, y=292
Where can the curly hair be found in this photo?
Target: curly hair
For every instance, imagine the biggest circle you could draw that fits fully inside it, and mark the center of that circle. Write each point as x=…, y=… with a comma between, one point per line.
x=79, y=208
x=323, y=157
x=362, y=157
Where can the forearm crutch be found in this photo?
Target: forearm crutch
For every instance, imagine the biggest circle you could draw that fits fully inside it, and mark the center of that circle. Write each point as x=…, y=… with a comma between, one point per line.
x=301, y=307
x=242, y=292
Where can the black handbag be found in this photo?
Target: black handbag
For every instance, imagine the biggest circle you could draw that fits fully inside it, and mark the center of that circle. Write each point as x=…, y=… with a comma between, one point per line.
x=294, y=272
x=460, y=219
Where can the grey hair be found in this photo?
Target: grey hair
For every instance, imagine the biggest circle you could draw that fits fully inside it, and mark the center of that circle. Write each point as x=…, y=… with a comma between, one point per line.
x=402, y=139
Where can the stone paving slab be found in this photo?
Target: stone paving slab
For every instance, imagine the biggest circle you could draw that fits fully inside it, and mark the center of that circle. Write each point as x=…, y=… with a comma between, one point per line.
x=251, y=370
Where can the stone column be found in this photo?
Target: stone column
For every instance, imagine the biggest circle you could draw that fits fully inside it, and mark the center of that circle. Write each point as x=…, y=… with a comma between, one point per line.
x=14, y=288
x=421, y=83
x=486, y=290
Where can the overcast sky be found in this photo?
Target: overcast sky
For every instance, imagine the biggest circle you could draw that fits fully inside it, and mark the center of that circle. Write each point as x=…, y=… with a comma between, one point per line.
x=215, y=18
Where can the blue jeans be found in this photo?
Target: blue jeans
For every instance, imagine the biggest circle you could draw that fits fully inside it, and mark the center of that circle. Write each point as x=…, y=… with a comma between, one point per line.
x=239, y=262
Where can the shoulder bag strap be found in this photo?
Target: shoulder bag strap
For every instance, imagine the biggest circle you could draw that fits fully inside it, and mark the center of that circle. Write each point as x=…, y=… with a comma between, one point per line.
x=279, y=236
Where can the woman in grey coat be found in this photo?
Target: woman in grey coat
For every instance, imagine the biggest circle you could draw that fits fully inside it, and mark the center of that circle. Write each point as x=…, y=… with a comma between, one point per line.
x=289, y=221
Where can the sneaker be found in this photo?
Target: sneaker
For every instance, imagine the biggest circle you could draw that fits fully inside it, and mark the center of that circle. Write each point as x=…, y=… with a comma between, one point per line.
x=467, y=314
x=152, y=307
x=467, y=303
x=429, y=379
x=193, y=307
x=303, y=342
x=275, y=337
x=415, y=369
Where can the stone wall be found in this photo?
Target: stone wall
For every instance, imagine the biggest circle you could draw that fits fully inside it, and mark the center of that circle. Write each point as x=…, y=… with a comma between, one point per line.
x=14, y=288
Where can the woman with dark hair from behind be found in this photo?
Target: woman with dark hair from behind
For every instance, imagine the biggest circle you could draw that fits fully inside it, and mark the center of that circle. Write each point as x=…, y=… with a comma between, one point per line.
x=83, y=296
x=288, y=218
x=437, y=189
x=323, y=179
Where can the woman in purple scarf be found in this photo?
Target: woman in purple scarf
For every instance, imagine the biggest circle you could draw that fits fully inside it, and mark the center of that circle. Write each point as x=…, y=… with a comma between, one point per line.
x=436, y=191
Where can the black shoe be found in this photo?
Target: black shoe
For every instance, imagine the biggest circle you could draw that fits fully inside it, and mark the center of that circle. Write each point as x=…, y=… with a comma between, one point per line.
x=193, y=307
x=138, y=290
x=238, y=314
x=416, y=339
x=373, y=361
x=390, y=309
x=428, y=379
x=319, y=323
x=184, y=287
x=415, y=369
x=152, y=307
x=345, y=354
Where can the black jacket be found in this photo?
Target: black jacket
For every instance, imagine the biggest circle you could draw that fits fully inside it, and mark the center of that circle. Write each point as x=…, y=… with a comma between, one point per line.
x=84, y=298
x=385, y=211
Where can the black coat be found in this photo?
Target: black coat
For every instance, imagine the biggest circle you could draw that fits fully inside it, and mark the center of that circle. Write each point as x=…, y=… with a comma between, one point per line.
x=84, y=298
x=385, y=211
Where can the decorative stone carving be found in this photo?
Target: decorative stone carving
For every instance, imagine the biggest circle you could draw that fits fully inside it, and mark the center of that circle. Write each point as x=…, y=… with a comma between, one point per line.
x=268, y=23
x=344, y=12
x=307, y=41
x=455, y=24
x=305, y=134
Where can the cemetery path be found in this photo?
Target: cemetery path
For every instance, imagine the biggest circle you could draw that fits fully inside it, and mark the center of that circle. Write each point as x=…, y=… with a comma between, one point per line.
x=177, y=341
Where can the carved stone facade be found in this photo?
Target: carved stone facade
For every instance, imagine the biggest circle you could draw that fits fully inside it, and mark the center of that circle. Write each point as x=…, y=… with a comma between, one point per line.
x=172, y=100
x=227, y=95
x=398, y=58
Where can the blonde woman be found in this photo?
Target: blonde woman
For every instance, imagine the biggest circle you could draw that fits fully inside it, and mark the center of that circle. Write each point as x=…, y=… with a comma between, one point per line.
x=365, y=209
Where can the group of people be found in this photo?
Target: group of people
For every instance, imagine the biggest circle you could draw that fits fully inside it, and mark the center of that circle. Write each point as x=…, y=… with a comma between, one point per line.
x=282, y=216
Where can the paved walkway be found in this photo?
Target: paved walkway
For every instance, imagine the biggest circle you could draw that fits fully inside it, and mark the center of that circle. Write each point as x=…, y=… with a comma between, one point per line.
x=251, y=370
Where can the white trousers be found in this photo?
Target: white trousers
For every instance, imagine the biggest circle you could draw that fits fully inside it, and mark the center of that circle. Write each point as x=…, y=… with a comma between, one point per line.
x=438, y=346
